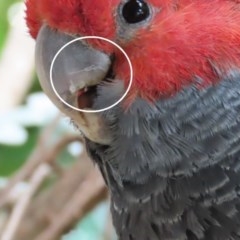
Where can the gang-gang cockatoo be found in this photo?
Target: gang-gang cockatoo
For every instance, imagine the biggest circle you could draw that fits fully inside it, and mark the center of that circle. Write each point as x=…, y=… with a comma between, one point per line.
x=170, y=151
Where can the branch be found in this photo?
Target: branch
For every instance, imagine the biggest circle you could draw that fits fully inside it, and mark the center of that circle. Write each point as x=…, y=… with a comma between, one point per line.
x=56, y=209
x=45, y=208
x=90, y=192
x=38, y=176
x=32, y=162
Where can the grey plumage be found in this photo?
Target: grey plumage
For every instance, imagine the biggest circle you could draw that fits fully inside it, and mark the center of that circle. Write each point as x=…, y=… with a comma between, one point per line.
x=173, y=167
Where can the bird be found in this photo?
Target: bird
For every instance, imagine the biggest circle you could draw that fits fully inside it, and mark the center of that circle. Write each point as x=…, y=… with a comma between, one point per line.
x=170, y=150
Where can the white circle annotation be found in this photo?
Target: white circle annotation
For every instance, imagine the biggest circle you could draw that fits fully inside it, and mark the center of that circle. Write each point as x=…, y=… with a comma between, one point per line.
x=88, y=110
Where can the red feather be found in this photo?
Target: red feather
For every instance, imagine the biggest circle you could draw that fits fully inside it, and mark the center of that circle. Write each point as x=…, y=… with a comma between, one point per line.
x=184, y=40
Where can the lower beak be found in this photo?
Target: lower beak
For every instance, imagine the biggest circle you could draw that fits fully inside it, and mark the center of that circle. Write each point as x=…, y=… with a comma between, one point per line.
x=77, y=69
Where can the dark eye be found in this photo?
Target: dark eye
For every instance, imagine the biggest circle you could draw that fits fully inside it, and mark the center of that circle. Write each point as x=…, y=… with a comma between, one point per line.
x=135, y=11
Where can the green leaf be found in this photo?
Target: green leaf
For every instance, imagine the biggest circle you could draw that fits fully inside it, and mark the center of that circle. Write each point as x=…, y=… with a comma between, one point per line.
x=13, y=157
x=4, y=24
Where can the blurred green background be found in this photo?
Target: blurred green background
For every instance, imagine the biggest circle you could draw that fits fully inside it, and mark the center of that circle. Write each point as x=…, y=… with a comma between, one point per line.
x=21, y=123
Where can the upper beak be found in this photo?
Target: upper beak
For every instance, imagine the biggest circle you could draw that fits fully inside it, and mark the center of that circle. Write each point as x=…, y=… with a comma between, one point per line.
x=77, y=67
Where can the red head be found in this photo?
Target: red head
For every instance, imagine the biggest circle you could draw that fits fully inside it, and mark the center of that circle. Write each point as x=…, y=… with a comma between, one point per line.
x=179, y=41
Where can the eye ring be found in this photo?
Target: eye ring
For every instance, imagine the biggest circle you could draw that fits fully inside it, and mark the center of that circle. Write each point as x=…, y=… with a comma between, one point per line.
x=135, y=11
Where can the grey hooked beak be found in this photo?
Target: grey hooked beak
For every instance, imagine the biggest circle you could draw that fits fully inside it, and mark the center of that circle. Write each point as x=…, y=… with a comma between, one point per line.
x=77, y=68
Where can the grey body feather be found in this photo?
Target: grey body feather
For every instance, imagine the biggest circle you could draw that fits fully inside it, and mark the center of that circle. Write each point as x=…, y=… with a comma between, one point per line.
x=173, y=167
